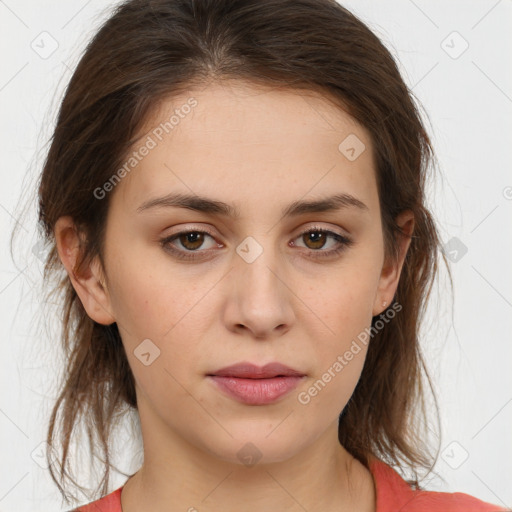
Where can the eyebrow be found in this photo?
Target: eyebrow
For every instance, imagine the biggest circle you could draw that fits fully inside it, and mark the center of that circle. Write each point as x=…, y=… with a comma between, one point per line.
x=212, y=206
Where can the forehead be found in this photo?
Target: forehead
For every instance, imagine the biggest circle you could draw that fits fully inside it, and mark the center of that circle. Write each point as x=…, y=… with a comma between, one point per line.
x=239, y=110
x=245, y=142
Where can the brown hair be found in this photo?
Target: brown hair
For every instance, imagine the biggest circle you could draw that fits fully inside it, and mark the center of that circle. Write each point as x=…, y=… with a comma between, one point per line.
x=151, y=50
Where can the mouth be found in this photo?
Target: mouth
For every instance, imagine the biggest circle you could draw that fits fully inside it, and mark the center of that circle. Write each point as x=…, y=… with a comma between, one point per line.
x=256, y=385
x=252, y=371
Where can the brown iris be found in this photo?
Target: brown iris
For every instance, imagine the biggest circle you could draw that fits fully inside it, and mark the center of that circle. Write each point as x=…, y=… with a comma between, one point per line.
x=319, y=239
x=194, y=238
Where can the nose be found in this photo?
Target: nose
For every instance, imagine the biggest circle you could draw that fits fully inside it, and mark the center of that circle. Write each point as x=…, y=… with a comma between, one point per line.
x=259, y=298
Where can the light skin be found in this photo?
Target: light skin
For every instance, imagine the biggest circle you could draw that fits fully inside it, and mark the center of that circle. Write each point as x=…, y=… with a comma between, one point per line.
x=258, y=150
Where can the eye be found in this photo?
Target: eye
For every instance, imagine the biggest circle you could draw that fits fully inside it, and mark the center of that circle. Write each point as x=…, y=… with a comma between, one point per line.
x=316, y=238
x=190, y=240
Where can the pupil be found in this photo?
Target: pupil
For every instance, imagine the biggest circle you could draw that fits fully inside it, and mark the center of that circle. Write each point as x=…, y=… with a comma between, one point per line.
x=315, y=237
x=192, y=240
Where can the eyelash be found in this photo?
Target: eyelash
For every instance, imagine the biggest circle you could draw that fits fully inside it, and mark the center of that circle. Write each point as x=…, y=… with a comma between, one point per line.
x=344, y=243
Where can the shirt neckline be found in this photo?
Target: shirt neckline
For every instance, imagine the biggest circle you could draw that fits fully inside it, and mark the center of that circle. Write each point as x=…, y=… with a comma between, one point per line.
x=391, y=491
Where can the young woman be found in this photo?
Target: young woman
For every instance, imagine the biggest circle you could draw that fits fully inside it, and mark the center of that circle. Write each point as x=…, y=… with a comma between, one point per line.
x=236, y=191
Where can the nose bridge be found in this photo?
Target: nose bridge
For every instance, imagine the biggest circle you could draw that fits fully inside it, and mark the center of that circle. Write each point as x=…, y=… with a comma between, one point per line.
x=261, y=296
x=255, y=273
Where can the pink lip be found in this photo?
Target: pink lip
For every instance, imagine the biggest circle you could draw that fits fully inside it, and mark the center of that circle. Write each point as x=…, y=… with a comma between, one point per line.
x=256, y=385
x=252, y=371
x=256, y=391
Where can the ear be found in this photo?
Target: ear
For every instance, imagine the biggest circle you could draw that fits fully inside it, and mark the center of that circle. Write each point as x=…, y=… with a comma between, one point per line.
x=392, y=268
x=88, y=282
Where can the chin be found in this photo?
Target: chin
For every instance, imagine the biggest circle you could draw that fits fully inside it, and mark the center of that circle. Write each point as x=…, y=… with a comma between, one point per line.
x=250, y=448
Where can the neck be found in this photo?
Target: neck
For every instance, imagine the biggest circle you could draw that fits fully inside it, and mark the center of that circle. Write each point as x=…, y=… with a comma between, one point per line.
x=179, y=476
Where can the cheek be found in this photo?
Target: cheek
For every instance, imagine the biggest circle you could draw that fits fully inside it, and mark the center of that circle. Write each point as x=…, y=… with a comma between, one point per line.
x=152, y=299
x=345, y=300
x=146, y=290
x=158, y=324
x=345, y=305
x=339, y=354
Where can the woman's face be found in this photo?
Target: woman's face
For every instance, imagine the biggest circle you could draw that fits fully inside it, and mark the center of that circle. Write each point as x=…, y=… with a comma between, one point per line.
x=258, y=287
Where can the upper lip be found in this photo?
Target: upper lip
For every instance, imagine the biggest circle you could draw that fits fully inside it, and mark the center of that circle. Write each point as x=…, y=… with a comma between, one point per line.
x=252, y=371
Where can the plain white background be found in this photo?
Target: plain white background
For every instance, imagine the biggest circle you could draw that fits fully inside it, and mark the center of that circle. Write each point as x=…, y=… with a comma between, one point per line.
x=455, y=56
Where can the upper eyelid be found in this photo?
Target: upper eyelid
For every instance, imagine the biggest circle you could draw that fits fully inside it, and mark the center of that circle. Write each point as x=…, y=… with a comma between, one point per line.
x=302, y=230
x=346, y=240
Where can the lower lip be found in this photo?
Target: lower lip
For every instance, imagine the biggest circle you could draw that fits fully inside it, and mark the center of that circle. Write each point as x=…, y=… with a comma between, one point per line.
x=256, y=391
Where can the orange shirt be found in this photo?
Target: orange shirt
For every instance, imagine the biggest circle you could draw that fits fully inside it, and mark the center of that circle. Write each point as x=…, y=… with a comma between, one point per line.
x=393, y=495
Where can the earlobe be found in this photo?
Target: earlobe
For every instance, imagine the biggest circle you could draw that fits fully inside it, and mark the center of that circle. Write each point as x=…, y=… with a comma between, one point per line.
x=391, y=270
x=87, y=281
